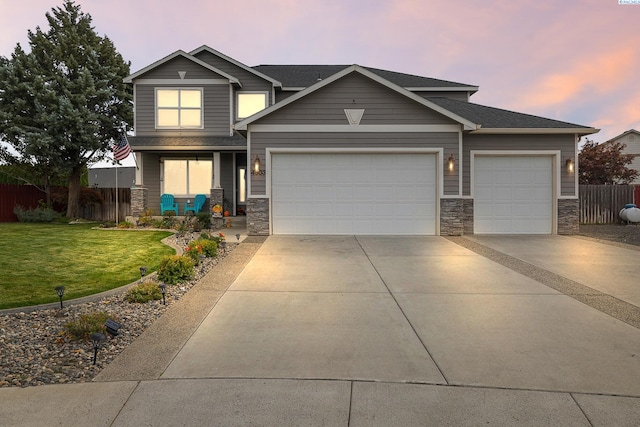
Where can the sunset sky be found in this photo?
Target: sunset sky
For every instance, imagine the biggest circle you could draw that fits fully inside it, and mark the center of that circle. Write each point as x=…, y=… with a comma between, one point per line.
x=571, y=60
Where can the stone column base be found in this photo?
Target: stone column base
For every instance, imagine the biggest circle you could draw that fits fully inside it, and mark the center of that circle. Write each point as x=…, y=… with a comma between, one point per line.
x=139, y=200
x=258, y=217
x=568, y=216
x=451, y=217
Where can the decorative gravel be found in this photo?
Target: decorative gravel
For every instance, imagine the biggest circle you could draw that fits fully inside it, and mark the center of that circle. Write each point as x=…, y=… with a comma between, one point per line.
x=35, y=350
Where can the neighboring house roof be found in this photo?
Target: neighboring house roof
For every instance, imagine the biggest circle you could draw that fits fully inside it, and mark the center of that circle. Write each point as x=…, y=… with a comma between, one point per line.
x=143, y=143
x=106, y=177
x=622, y=135
x=496, y=120
x=302, y=76
x=468, y=124
x=183, y=54
x=205, y=48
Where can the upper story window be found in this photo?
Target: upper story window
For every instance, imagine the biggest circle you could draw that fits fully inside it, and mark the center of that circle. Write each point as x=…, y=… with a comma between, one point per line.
x=179, y=108
x=250, y=103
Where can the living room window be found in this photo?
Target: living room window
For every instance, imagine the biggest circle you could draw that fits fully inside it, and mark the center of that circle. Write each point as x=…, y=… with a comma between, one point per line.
x=187, y=177
x=179, y=108
x=250, y=103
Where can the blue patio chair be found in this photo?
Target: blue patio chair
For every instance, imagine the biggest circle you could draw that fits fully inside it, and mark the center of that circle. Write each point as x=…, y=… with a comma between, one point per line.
x=197, y=204
x=167, y=203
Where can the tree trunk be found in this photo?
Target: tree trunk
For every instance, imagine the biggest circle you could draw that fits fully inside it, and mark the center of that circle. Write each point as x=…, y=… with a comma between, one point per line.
x=73, y=201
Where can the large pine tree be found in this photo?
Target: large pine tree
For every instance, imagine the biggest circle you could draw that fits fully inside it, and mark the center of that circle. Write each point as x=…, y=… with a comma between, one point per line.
x=63, y=103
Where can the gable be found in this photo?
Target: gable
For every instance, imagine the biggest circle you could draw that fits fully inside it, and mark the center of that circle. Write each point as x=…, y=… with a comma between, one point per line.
x=381, y=105
x=171, y=69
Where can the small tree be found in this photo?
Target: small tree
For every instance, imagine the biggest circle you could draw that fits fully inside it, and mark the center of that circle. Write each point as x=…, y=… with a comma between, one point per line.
x=605, y=164
x=63, y=103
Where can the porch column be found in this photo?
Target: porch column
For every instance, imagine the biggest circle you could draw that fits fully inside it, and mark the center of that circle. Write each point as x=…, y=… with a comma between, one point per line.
x=139, y=194
x=216, y=169
x=139, y=158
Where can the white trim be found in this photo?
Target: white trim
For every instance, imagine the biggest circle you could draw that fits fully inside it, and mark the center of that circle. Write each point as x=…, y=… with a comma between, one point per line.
x=536, y=131
x=130, y=78
x=556, y=156
x=205, y=48
x=438, y=152
x=179, y=107
x=468, y=125
x=250, y=92
x=443, y=89
x=351, y=128
x=135, y=109
x=460, y=164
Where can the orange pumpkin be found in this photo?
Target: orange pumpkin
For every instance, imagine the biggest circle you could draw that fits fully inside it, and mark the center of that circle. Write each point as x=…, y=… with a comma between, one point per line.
x=226, y=213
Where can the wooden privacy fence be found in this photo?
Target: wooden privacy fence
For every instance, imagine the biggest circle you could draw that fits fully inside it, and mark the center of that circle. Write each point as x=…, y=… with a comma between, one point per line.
x=11, y=195
x=107, y=212
x=28, y=197
x=601, y=204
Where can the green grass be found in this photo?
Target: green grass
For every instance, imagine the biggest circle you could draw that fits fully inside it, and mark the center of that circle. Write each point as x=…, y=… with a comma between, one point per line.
x=35, y=258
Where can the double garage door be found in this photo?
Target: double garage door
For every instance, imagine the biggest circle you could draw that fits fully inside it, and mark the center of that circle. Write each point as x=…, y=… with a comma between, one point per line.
x=353, y=193
x=396, y=194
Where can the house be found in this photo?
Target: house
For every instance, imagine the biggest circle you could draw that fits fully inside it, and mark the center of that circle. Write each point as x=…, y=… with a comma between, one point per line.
x=336, y=149
x=631, y=140
x=106, y=177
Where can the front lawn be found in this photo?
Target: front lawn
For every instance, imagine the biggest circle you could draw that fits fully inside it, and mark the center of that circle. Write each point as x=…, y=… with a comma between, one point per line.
x=35, y=258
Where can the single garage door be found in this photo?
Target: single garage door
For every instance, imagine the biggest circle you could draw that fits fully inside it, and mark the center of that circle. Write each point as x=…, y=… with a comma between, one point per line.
x=347, y=193
x=513, y=195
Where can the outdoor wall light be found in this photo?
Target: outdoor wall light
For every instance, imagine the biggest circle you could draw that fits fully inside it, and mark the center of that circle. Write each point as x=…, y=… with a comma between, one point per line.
x=163, y=290
x=60, y=292
x=570, y=165
x=96, y=340
x=143, y=271
x=451, y=163
x=256, y=170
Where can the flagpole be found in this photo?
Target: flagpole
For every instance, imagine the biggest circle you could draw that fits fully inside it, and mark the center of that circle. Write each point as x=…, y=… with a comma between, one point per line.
x=117, y=193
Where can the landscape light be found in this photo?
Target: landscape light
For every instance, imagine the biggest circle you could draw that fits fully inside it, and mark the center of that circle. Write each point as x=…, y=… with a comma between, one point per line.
x=96, y=340
x=163, y=290
x=60, y=292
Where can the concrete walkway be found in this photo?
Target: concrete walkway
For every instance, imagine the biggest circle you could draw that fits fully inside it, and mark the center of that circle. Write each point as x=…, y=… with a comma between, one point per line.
x=378, y=331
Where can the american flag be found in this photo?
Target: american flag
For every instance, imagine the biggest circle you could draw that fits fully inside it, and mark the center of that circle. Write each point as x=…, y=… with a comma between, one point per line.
x=122, y=148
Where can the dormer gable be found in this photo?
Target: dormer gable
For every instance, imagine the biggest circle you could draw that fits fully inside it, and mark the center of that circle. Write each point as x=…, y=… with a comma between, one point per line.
x=177, y=67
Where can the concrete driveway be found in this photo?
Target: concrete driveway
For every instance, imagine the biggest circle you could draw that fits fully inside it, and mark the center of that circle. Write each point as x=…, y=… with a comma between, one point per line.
x=404, y=331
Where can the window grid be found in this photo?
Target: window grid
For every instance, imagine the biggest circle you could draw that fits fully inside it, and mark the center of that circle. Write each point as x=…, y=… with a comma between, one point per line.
x=178, y=108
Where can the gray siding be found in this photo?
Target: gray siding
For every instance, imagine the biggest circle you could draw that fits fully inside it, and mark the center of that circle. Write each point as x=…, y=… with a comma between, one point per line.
x=381, y=104
x=260, y=141
x=226, y=176
x=248, y=80
x=169, y=70
x=216, y=112
x=151, y=180
x=564, y=143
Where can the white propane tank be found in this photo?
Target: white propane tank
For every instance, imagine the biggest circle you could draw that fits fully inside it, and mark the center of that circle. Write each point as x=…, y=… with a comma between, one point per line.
x=630, y=213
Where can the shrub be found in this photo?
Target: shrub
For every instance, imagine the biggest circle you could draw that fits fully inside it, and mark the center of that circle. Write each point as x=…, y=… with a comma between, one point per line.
x=204, y=219
x=175, y=269
x=125, y=224
x=206, y=247
x=40, y=214
x=144, y=292
x=87, y=324
x=146, y=219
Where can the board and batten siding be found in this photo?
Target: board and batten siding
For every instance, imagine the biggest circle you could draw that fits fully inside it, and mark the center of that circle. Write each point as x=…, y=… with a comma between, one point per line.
x=565, y=143
x=382, y=105
x=260, y=141
x=216, y=111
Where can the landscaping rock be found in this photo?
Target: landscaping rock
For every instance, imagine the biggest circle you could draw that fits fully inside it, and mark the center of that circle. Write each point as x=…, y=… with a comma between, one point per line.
x=35, y=350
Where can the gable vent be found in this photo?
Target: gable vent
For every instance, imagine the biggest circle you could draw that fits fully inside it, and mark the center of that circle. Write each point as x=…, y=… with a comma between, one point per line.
x=354, y=115
x=182, y=74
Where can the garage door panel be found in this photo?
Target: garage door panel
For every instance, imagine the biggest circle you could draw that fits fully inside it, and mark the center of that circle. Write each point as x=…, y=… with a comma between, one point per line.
x=354, y=193
x=513, y=195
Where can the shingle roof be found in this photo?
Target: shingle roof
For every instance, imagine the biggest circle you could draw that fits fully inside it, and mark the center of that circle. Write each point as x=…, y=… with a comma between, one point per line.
x=490, y=117
x=297, y=76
